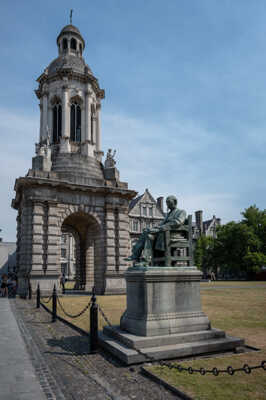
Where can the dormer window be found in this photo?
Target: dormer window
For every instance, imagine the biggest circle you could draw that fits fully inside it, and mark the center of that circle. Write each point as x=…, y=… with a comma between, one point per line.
x=73, y=44
x=75, y=122
x=57, y=122
x=65, y=44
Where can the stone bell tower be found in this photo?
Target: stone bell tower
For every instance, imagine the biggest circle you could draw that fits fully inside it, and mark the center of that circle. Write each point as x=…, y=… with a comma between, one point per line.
x=68, y=189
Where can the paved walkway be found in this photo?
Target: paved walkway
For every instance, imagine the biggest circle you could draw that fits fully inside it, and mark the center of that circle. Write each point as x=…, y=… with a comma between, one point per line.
x=213, y=286
x=18, y=380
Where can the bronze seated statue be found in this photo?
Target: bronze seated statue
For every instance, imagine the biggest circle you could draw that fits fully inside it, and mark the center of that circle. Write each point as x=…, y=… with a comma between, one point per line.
x=169, y=243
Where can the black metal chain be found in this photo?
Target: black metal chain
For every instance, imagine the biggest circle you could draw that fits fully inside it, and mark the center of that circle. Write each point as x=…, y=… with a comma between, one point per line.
x=46, y=302
x=75, y=315
x=215, y=371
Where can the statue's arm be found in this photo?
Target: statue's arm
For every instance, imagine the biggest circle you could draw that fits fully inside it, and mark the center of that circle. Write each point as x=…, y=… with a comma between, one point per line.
x=177, y=219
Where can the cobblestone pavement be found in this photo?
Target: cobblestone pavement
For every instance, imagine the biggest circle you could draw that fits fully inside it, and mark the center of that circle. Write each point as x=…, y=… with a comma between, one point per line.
x=67, y=371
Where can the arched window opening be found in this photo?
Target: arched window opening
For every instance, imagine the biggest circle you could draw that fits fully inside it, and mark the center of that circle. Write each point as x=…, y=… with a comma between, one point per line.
x=73, y=44
x=80, y=47
x=65, y=44
x=75, y=122
x=57, y=122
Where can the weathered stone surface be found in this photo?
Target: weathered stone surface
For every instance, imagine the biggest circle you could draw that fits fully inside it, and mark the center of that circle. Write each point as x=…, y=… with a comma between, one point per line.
x=163, y=318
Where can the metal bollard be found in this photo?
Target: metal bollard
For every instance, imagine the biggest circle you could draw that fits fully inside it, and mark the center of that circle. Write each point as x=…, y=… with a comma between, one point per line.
x=30, y=291
x=94, y=323
x=38, y=296
x=54, y=299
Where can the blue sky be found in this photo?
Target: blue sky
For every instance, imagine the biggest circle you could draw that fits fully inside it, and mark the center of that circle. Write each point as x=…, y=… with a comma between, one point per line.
x=185, y=103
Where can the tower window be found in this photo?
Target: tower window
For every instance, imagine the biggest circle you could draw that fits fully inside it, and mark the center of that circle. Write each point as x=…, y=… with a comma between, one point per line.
x=80, y=47
x=73, y=44
x=75, y=122
x=65, y=44
x=57, y=122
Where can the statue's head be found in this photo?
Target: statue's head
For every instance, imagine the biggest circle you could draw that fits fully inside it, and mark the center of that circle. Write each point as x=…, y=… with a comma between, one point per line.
x=171, y=202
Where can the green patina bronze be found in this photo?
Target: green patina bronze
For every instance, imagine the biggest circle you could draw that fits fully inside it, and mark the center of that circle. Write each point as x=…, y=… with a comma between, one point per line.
x=154, y=245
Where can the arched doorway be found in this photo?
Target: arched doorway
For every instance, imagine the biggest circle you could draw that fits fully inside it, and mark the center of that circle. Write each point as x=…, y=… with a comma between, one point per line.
x=86, y=231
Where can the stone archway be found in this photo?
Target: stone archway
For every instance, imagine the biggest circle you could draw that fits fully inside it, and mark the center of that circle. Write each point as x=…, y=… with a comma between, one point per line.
x=87, y=232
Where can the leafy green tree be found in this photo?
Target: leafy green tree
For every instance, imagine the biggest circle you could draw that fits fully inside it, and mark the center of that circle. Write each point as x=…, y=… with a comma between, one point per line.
x=239, y=248
x=203, y=253
x=256, y=220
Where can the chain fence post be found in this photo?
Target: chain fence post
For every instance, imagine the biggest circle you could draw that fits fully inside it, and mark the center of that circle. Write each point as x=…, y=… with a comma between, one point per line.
x=38, y=296
x=94, y=322
x=30, y=291
x=54, y=299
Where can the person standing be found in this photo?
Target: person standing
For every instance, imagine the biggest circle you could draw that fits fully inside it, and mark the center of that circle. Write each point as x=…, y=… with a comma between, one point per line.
x=4, y=288
x=62, y=282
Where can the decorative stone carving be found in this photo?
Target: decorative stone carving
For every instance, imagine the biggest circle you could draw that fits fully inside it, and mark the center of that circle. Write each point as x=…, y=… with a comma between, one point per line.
x=110, y=160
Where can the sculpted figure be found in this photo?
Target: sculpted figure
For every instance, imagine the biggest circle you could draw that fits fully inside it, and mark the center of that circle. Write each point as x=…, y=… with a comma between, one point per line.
x=154, y=238
x=110, y=159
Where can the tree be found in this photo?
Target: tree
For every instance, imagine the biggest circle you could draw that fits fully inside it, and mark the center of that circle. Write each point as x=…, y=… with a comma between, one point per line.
x=256, y=220
x=203, y=254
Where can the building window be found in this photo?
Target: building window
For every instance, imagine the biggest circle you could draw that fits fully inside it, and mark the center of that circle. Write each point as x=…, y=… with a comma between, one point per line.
x=75, y=122
x=80, y=47
x=150, y=211
x=65, y=44
x=73, y=44
x=63, y=253
x=64, y=268
x=57, y=122
x=135, y=226
x=144, y=210
x=63, y=239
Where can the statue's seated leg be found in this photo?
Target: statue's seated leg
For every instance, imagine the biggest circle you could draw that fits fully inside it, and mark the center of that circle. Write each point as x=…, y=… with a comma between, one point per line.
x=137, y=248
x=147, y=252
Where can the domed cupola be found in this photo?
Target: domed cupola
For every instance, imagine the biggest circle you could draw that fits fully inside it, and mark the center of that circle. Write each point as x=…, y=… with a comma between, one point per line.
x=70, y=41
x=70, y=105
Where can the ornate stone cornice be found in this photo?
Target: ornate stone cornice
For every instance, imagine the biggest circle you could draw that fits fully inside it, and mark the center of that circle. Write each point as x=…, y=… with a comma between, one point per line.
x=29, y=181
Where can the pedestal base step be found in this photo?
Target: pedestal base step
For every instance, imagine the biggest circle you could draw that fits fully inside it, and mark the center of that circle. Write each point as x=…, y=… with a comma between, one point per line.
x=122, y=344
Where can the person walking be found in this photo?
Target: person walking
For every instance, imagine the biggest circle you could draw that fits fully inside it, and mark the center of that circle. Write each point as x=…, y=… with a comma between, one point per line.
x=62, y=282
x=4, y=287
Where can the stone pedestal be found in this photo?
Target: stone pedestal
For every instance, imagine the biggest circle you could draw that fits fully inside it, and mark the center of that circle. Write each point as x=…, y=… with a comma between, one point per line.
x=163, y=301
x=163, y=318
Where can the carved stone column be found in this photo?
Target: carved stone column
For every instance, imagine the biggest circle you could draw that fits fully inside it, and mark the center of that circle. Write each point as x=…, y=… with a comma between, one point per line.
x=86, y=146
x=117, y=237
x=98, y=128
x=53, y=241
x=64, y=144
x=94, y=127
x=18, y=237
x=41, y=124
x=83, y=123
x=87, y=116
x=123, y=237
x=38, y=240
x=44, y=114
x=110, y=238
x=25, y=249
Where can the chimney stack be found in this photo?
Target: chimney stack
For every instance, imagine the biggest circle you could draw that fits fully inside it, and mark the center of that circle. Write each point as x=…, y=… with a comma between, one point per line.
x=199, y=222
x=160, y=203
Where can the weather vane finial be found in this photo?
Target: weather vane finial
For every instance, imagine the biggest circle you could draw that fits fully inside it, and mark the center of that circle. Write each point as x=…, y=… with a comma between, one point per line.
x=71, y=12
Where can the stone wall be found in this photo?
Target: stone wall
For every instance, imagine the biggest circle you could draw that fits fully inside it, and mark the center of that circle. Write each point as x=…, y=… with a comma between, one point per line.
x=98, y=219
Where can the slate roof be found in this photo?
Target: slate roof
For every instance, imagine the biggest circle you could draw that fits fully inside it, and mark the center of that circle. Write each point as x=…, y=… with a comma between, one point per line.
x=68, y=61
x=134, y=201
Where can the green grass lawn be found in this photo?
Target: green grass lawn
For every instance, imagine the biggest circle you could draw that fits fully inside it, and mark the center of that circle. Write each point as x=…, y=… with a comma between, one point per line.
x=240, y=312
